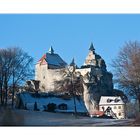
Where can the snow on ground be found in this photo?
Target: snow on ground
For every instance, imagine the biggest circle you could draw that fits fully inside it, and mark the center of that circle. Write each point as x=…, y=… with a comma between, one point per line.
x=29, y=101
x=37, y=118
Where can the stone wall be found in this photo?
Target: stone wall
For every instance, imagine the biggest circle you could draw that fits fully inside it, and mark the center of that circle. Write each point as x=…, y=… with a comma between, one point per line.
x=48, y=77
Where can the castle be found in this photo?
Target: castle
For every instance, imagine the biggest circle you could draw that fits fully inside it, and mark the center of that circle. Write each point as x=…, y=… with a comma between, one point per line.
x=97, y=80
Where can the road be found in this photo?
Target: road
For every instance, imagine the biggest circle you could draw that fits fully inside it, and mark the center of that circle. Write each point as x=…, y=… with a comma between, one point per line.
x=14, y=117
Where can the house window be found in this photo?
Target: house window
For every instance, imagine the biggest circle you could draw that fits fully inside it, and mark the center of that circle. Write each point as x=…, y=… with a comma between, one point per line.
x=115, y=107
x=119, y=114
x=109, y=100
x=119, y=107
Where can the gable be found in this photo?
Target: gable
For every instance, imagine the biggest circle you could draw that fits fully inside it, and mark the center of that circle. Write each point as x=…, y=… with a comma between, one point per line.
x=54, y=61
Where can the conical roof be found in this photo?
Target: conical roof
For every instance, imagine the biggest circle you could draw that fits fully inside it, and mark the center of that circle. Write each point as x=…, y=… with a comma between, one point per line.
x=51, y=50
x=92, y=47
x=72, y=62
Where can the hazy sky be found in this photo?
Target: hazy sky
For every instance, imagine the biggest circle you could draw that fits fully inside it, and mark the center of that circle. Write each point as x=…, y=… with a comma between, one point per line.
x=70, y=35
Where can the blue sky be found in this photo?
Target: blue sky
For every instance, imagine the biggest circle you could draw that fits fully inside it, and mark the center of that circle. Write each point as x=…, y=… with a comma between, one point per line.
x=70, y=35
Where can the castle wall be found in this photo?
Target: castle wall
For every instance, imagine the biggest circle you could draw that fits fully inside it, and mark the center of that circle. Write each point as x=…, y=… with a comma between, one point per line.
x=48, y=77
x=90, y=104
x=90, y=59
x=83, y=71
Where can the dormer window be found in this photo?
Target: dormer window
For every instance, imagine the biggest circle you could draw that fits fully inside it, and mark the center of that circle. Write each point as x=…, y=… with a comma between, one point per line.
x=116, y=100
x=109, y=100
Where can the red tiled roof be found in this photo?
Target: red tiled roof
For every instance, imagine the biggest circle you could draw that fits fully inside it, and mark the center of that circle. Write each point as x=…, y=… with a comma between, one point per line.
x=43, y=57
x=99, y=113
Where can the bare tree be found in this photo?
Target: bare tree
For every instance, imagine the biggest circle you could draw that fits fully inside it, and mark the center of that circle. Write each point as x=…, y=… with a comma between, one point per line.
x=68, y=85
x=127, y=69
x=21, y=68
x=5, y=63
x=32, y=86
x=15, y=67
x=72, y=84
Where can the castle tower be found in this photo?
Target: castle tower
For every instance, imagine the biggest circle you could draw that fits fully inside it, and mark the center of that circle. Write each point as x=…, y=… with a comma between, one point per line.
x=92, y=48
x=72, y=62
x=93, y=59
x=49, y=69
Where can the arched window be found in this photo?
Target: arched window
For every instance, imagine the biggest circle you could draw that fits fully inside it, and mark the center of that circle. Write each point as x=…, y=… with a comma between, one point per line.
x=119, y=107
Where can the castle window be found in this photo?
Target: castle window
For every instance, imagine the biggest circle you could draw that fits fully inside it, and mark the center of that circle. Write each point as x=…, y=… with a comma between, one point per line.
x=119, y=107
x=43, y=77
x=119, y=114
x=115, y=107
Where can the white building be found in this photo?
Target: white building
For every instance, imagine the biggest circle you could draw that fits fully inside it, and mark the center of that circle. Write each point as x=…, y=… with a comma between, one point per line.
x=112, y=106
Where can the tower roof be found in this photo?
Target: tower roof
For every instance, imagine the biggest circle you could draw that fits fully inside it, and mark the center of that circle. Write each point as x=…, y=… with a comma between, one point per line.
x=53, y=59
x=72, y=62
x=92, y=47
x=51, y=50
x=93, y=59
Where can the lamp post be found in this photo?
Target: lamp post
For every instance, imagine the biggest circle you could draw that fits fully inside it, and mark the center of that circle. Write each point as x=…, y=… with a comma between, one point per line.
x=71, y=70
